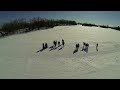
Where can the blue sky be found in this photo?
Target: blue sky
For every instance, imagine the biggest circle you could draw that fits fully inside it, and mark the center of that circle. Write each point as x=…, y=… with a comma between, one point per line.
x=111, y=18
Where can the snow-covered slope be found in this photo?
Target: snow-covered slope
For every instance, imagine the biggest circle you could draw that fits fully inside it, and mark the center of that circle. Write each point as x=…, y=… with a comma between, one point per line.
x=18, y=57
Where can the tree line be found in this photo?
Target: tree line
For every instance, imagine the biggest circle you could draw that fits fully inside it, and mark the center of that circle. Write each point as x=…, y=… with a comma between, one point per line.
x=36, y=23
x=102, y=26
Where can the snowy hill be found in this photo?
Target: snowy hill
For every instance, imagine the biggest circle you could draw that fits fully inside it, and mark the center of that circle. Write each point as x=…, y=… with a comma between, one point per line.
x=18, y=57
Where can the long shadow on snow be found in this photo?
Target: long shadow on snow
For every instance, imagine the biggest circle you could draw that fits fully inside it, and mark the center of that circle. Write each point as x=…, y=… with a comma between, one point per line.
x=41, y=50
x=53, y=48
x=75, y=51
x=60, y=48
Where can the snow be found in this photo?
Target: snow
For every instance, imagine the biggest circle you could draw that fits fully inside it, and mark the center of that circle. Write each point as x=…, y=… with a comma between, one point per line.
x=18, y=57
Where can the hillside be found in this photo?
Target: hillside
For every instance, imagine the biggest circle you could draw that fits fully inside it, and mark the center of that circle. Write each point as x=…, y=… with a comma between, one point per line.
x=18, y=57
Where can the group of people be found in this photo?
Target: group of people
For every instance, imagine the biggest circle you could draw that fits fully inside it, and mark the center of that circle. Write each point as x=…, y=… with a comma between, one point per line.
x=77, y=46
x=85, y=47
x=45, y=45
x=55, y=43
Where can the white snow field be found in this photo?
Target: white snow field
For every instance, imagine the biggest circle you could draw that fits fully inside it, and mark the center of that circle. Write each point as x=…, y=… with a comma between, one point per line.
x=19, y=60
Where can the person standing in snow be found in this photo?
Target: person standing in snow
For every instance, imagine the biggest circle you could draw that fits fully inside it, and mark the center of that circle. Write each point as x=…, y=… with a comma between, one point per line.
x=58, y=43
x=63, y=43
x=46, y=46
x=43, y=46
x=54, y=43
x=83, y=46
x=97, y=47
x=78, y=45
x=62, y=40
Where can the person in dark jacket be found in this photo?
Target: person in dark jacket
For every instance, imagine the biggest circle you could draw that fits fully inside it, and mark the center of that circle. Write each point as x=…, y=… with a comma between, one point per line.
x=78, y=45
x=43, y=46
x=54, y=43
x=97, y=47
x=46, y=45
x=83, y=46
x=58, y=43
x=63, y=43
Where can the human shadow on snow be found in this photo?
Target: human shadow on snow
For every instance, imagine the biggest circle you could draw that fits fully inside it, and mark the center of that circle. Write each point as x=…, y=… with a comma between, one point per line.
x=53, y=48
x=75, y=51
